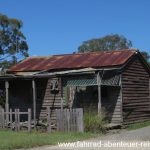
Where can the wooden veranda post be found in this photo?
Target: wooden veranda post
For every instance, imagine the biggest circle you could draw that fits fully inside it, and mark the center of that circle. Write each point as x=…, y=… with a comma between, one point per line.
x=34, y=101
x=61, y=105
x=7, y=100
x=99, y=93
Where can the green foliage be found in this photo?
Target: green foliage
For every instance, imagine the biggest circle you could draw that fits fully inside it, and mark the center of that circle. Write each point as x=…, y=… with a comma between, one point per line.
x=94, y=122
x=10, y=140
x=145, y=55
x=106, y=43
x=13, y=46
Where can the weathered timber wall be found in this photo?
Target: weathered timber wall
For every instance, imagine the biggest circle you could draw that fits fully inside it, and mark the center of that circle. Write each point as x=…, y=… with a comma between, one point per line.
x=135, y=92
x=46, y=98
x=113, y=105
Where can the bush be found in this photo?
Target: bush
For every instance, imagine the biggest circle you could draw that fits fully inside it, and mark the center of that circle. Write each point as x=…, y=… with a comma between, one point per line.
x=94, y=122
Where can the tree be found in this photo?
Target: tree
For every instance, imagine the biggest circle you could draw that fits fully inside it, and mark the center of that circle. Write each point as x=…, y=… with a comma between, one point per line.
x=106, y=43
x=13, y=45
x=145, y=55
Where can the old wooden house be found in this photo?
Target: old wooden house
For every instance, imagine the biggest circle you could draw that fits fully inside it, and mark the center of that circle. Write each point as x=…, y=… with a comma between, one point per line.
x=116, y=82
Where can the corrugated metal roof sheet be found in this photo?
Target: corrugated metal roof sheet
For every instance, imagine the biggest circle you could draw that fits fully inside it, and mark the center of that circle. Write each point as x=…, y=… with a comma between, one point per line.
x=74, y=61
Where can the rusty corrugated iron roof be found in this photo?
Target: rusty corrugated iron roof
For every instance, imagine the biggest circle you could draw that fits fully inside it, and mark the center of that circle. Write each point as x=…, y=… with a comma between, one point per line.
x=74, y=61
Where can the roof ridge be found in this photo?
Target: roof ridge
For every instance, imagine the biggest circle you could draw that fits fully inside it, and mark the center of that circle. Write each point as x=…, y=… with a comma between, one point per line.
x=132, y=49
x=109, y=51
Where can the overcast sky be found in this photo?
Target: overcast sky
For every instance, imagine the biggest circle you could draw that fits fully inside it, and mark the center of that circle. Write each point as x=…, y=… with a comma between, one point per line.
x=60, y=26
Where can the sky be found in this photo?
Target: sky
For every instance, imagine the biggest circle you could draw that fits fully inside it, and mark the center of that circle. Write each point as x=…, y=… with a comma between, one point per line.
x=60, y=26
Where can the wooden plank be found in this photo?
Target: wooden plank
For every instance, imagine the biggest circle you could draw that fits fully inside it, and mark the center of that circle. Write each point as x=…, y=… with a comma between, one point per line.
x=132, y=90
x=140, y=119
x=143, y=79
x=71, y=120
x=61, y=104
x=140, y=114
x=68, y=120
x=136, y=69
x=141, y=73
x=29, y=120
x=11, y=120
x=60, y=124
x=57, y=120
x=48, y=119
x=135, y=83
x=16, y=120
x=80, y=120
x=75, y=119
x=135, y=95
x=137, y=104
x=65, y=120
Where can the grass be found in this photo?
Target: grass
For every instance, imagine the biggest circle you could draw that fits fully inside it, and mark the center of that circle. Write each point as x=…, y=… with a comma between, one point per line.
x=138, y=125
x=14, y=140
x=94, y=123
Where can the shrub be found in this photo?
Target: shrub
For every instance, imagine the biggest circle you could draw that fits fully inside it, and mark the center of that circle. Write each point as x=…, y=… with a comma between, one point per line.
x=94, y=122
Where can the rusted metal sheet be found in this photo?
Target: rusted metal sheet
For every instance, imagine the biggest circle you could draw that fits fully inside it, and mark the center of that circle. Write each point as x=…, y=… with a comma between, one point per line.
x=26, y=73
x=74, y=61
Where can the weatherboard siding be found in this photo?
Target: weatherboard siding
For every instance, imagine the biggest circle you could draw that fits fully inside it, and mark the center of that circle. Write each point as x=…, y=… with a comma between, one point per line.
x=48, y=99
x=116, y=102
x=135, y=92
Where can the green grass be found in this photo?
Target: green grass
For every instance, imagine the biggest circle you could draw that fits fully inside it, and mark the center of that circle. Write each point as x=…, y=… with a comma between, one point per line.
x=94, y=123
x=14, y=140
x=138, y=125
